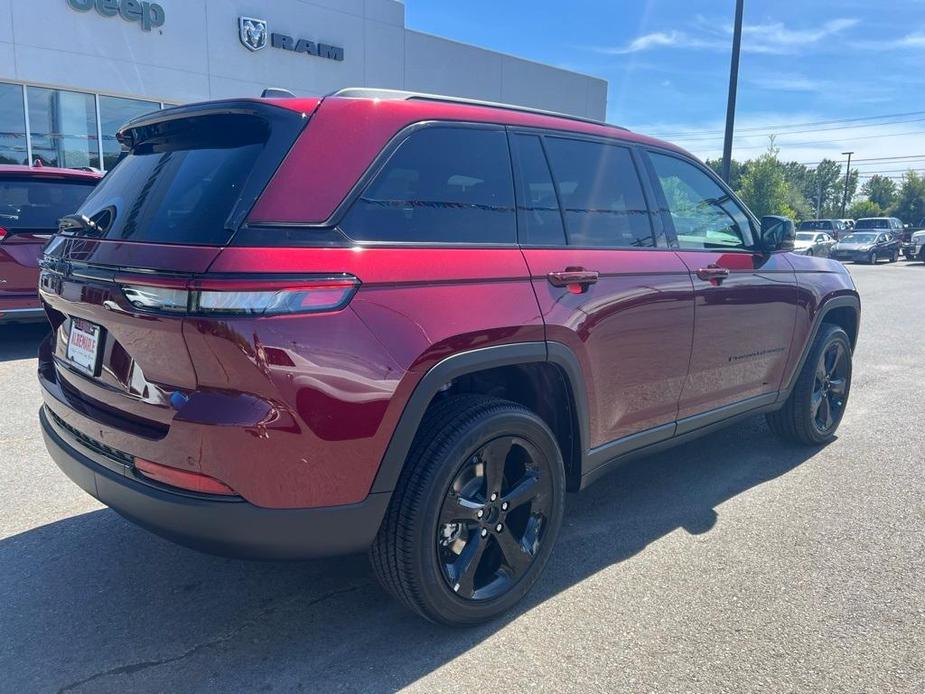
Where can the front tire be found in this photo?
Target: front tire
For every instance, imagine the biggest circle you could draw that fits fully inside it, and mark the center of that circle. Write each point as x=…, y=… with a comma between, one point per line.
x=816, y=405
x=475, y=513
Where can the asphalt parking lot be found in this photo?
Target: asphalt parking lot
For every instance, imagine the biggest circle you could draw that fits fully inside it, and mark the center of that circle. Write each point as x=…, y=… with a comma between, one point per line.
x=735, y=563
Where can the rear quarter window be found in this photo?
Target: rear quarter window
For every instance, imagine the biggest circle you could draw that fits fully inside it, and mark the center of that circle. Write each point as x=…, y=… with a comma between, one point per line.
x=441, y=185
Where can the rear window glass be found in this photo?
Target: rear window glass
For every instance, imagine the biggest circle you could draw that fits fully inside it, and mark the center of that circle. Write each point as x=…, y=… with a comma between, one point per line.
x=39, y=204
x=442, y=185
x=816, y=224
x=180, y=184
x=872, y=224
x=600, y=194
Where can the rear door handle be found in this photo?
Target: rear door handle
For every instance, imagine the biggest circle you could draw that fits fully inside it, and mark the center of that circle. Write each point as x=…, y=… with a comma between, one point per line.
x=713, y=273
x=573, y=277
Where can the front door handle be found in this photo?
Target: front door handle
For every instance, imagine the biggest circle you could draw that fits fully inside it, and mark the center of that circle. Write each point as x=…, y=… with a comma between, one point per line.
x=577, y=280
x=713, y=274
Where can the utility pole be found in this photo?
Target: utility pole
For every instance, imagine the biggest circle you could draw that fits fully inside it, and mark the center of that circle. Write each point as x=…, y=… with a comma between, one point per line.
x=818, y=196
x=844, y=200
x=733, y=87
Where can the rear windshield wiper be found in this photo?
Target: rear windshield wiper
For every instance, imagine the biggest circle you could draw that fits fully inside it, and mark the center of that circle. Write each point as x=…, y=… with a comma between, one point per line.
x=74, y=224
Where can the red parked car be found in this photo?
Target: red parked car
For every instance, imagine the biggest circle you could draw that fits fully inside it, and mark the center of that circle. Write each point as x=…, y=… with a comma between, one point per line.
x=411, y=324
x=32, y=200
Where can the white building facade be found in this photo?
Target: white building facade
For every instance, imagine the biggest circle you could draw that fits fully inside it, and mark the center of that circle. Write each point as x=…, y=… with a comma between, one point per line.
x=72, y=71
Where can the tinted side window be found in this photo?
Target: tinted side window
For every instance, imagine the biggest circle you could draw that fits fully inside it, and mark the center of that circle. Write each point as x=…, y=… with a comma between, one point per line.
x=538, y=217
x=600, y=194
x=443, y=185
x=703, y=214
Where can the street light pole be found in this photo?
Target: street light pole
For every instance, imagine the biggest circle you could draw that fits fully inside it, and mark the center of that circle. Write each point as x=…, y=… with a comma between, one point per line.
x=733, y=88
x=844, y=200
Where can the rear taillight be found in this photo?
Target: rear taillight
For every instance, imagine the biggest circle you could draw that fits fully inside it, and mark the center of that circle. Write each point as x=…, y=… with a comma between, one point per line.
x=238, y=296
x=174, y=477
x=3, y=233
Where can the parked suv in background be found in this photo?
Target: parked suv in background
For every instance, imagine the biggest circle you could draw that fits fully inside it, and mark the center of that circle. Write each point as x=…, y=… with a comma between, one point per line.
x=32, y=200
x=411, y=324
x=836, y=228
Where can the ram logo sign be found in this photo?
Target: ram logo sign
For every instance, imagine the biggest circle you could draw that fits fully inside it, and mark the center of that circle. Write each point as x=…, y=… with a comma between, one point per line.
x=253, y=33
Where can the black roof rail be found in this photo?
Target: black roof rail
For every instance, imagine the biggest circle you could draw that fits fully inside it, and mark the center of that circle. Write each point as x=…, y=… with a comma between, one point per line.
x=399, y=94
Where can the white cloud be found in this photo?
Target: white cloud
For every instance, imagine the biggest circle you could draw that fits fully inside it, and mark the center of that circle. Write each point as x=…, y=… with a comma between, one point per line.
x=913, y=41
x=771, y=37
x=788, y=83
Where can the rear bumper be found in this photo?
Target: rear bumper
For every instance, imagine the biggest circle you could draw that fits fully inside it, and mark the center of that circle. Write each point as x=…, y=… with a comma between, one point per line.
x=219, y=525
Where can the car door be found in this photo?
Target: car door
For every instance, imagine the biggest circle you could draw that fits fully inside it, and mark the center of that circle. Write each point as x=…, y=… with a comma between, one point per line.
x=609, y=288
x=745, y=301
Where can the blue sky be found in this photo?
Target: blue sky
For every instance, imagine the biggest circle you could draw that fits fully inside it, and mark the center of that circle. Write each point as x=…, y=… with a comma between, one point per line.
x=667, y=62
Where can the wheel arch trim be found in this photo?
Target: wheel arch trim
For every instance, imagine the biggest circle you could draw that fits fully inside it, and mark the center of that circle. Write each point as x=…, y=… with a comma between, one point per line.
x=469, y=362
x=827, y=305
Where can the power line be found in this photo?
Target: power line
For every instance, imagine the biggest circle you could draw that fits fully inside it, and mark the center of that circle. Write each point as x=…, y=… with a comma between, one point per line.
x=913, y=157
x=800, y=132
x=793, y=125
x=844, y=141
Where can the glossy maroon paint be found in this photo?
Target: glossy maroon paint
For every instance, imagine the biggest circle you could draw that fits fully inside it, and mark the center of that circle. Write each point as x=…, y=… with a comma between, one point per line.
x=631, y=332
x=297, y=411
x=19, y=253
x=744, y=328
x=346, y=135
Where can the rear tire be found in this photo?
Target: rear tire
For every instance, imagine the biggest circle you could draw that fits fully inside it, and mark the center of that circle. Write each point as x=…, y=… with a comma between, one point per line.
x=814, y=410
x=447, y=549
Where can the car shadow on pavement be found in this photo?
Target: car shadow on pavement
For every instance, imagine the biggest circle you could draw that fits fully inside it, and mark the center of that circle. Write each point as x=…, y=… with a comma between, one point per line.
x=92, y=603
x=21, y=341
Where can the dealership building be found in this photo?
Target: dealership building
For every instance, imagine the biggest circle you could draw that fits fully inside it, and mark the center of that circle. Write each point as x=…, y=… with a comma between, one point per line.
x=73, y=71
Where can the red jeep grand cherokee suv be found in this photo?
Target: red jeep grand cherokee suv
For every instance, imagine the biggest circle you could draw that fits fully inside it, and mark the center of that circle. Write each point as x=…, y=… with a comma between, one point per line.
x=410, y=324
x=32, y=200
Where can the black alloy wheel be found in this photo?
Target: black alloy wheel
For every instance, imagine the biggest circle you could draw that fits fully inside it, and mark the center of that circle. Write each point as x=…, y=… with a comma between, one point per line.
x=475, y=513
x=493, y=519
x=830, y=387
x=814, y=409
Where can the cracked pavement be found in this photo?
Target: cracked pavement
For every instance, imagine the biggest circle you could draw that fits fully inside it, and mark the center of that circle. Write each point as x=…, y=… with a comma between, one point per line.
x=732, y=564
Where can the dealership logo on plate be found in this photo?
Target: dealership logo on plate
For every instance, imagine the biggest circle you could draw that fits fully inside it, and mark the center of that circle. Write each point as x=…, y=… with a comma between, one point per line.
x=253, y=33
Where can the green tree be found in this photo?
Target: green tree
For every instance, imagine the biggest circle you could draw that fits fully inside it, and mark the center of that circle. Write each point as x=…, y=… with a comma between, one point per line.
x=764, y=185
x=843, y=195
x=824, y=185
x=864, y=208
x=910, y=201
x=736, y=170
x=880, y=190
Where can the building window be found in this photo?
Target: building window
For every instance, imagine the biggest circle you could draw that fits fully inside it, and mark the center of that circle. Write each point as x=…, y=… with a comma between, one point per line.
x=63, y=128
x=13, y=147
x=114, y=113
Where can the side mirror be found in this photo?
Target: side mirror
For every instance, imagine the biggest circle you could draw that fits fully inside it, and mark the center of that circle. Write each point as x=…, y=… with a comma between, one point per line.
x=777, y=234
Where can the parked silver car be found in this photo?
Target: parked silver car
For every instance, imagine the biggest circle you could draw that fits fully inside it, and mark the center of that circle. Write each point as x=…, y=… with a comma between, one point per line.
x=813, y=243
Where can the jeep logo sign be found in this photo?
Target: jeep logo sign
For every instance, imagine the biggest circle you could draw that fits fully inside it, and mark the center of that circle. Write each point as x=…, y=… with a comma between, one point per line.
x=149, y=15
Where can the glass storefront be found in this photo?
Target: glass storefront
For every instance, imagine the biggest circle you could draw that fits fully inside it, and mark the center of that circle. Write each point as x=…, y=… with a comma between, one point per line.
x=13, y=148
x=64, y=128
